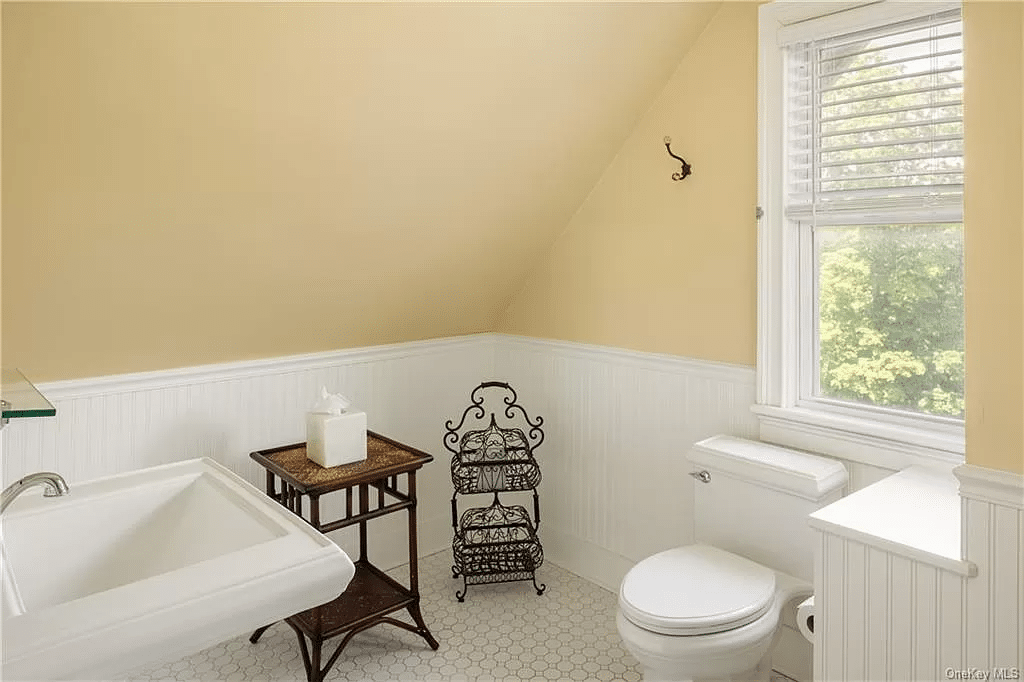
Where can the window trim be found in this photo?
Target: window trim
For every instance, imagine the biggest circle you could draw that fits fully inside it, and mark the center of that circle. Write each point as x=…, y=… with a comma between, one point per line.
x=871, y=435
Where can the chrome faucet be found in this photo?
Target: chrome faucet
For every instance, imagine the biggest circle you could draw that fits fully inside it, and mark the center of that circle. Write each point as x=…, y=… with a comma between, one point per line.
x=53, y=483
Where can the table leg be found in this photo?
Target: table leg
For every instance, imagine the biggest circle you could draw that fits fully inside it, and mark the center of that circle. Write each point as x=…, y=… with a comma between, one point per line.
x=414, y=583
x=424, y=632
x=316, y=674
x=364, y=507
x=414, y=580
x=314, y=511
x=255, y=637
x=311, y=654
x=271, y=490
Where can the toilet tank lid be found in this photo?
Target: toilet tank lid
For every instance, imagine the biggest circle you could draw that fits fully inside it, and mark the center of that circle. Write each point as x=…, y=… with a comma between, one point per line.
x=794, y=471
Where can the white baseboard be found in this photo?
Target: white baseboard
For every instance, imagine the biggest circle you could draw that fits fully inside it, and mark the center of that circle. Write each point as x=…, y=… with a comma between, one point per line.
x=585, y=559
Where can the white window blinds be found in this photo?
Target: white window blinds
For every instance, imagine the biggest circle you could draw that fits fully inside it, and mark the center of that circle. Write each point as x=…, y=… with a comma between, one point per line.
x=875, y=121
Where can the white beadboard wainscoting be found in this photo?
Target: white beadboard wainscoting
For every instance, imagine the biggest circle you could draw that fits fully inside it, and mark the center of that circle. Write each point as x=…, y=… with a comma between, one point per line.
x=618, y=426
x=883, y=616
x=114, y=424
x=992, y=504
x=615, y=486
x=919, y=580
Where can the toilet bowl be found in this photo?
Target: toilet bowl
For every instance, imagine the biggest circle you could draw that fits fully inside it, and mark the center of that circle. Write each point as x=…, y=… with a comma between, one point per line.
x=711, y=610
x=699, y=612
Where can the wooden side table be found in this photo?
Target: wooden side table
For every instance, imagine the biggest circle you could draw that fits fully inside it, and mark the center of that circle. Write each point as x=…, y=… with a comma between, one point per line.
x=372, y=594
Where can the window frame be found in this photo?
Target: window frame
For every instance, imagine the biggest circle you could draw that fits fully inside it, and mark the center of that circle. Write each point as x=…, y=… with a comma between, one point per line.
x=878, y=436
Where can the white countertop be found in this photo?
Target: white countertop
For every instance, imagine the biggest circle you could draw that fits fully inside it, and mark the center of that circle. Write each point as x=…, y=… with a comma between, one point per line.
x=913, y=513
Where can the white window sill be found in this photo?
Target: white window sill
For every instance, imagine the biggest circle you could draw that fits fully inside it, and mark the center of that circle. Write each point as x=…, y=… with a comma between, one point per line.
x=890, y=446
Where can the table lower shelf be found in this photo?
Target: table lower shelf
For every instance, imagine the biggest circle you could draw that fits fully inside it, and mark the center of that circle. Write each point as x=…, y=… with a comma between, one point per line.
x=370, y=595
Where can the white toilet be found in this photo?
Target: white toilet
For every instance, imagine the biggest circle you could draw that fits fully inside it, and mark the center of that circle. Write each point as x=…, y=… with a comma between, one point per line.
x=710, y=611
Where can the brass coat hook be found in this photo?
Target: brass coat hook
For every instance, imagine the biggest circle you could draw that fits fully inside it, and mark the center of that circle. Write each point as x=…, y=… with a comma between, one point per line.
x=686, y=169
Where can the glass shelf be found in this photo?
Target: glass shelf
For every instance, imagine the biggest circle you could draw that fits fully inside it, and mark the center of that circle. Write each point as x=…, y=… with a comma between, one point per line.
x=20, y=397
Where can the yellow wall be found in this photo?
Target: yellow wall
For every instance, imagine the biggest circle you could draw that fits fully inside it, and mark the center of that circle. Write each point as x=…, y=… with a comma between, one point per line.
x=655, y=265
x=186, y=183
x=994, y=233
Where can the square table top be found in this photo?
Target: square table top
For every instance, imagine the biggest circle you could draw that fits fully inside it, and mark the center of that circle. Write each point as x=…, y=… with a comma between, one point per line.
x=384, y=457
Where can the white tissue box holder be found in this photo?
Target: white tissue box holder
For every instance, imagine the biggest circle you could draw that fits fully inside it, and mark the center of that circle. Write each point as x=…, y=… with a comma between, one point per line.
x=336, y=439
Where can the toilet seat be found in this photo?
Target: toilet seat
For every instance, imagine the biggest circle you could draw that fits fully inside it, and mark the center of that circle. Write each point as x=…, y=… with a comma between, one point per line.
x=696, y=590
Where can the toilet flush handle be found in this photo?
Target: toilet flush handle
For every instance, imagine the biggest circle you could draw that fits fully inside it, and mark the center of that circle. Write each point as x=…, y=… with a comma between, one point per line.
x=703, y=476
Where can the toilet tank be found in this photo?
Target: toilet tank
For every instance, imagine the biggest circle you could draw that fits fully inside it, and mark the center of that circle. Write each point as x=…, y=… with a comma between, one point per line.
x=758, y=498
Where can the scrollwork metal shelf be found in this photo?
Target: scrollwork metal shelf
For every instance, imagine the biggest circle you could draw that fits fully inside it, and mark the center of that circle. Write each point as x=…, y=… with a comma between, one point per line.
x=497, y=543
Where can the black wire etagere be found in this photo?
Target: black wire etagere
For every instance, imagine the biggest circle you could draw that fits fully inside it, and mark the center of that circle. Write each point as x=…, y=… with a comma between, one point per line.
x=497, y=543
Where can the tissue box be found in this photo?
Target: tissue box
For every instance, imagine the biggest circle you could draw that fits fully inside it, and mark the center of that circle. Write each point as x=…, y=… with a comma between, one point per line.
x=336, y=439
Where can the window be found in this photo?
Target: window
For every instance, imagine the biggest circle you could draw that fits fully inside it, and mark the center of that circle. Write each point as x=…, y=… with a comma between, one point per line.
x=861, y=245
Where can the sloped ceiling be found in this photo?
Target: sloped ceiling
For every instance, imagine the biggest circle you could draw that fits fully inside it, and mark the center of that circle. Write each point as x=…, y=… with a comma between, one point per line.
x=192, y=183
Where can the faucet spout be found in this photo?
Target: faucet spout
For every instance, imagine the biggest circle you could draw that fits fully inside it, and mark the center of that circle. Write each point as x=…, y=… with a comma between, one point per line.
x=53, y=484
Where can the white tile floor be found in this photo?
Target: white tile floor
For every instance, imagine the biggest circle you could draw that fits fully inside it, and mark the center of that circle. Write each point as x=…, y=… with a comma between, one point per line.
x=501, y=632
